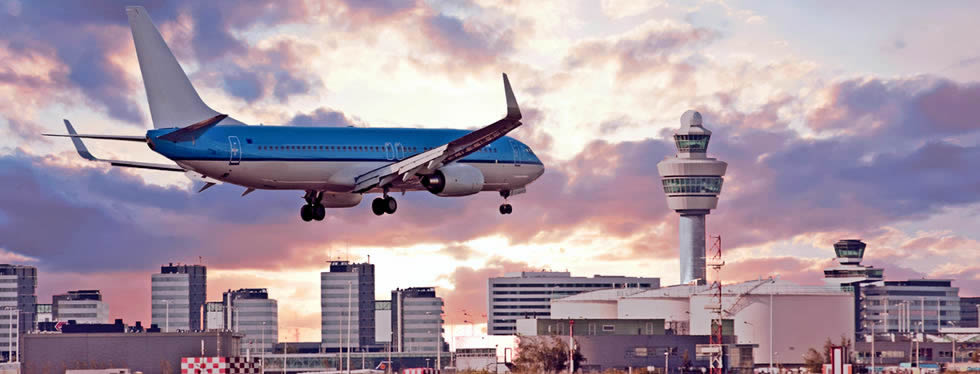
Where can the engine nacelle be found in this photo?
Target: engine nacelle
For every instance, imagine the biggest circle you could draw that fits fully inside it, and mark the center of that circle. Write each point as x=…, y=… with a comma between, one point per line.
x=454, y=180
x=341, y=200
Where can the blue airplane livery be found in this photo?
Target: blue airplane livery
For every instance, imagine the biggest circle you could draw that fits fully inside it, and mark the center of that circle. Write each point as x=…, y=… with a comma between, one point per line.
x=333, y=166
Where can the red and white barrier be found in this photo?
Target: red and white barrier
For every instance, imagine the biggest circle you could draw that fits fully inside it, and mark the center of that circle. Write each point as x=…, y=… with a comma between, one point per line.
x=220, y=365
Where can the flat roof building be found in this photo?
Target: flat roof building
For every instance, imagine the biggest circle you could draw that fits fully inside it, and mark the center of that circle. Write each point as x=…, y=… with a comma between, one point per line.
x=969, y=311
x=250, y=312
x=812, y=313
x=911, y=305
x=150, y=353
x=177, y=297
x=347, y=302
x=18, y=303
x=416, y=320
x=528, y=294
x=81, y=306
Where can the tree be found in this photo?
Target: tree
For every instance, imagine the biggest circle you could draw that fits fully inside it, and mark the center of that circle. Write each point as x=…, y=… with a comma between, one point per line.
x=544, y=354
x=813, y=361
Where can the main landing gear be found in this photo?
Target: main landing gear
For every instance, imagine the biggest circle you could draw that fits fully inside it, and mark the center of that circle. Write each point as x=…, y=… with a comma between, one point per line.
x=505, y=208
x=385, y=204
x=313, y=210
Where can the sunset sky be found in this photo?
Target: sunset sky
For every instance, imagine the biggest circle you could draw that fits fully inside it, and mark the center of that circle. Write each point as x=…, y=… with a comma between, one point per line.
x=838, y=120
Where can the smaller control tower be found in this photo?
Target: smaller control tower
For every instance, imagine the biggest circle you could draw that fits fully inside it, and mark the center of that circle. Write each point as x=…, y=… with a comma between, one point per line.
x=692, y=182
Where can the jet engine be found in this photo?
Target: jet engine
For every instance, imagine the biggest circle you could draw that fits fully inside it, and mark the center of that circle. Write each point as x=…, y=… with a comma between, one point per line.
x=340, y=200
x=454, y=180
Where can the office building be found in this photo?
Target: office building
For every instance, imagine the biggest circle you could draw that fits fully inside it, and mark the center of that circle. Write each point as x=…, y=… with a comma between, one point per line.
x=214, y=315
x=347, y=304
x=44, y=314
x=82, y=306
x=250, y=312
x=18, y=304
x=528, y=294
x=692, y=182
x=969, y=311
x=416, y=320
x=910, y=306
x=813, y=313
x=178, y=294
x=382, y=321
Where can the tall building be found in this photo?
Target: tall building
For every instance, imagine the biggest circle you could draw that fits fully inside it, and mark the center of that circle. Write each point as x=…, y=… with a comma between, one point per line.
x=18, y=303
x=969, y=311
x=82, y=306
x=906, y=306
x=850, y=275
x=692, y=182
x=529, y=294
x=178, y=294
x=416, y=320
x=347, y=304
x=251, y=312
x=214, y=315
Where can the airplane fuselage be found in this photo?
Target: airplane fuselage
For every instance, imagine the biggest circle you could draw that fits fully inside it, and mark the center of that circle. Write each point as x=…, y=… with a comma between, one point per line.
x=329, y=158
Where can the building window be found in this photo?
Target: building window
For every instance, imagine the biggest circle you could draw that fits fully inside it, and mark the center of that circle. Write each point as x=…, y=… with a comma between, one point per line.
x=640, y=351
x=608, y=328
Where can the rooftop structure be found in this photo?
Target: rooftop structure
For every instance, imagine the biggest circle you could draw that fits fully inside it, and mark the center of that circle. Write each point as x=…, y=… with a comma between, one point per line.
x=528, y=294
x=692, y=182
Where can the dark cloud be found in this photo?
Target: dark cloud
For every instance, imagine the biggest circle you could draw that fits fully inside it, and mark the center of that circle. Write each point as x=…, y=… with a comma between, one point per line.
x=245, y=85
x=86, y=39
x=472, y=42
x=323, y=117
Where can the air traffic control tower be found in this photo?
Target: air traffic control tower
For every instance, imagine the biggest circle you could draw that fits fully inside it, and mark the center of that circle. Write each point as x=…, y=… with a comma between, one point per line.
x=692, y=182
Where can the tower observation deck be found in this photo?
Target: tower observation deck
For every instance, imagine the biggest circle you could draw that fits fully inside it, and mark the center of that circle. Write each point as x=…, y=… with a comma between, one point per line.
x=692, y=182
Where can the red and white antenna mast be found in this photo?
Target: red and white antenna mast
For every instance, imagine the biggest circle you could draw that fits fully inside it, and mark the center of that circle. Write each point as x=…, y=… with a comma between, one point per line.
x=716, y=263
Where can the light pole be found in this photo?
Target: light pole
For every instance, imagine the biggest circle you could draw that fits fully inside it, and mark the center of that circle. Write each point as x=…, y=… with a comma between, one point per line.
x=953, y=341
x=872, y=347
x=349, y=291
x=667, y=361
x=262, y=359
x=771, y=348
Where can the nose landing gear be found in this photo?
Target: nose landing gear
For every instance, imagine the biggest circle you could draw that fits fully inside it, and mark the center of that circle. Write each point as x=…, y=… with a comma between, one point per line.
x=313, y=210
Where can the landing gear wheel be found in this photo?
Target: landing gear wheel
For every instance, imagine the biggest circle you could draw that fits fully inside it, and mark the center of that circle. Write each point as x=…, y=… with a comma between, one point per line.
x=390, y=205
x=506, y=209
x=306, y=213
x=319, y=212
x=378, y=206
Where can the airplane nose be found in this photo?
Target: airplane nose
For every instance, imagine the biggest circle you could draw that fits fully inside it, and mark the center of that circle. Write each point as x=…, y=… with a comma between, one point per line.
x=539, y=172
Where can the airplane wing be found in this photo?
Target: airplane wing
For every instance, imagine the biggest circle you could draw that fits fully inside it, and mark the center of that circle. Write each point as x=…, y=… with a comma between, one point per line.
x=426, y=162
x=83, y=151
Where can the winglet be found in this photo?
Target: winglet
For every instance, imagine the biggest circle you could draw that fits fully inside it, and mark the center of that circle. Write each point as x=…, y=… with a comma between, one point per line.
x=79, y=146
x=513, y=111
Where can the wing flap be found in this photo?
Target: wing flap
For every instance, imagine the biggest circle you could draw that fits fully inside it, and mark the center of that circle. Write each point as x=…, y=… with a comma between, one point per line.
x=430, y=160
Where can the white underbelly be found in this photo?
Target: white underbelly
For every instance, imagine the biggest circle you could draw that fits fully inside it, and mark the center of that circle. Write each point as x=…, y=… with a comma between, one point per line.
x=338, y=175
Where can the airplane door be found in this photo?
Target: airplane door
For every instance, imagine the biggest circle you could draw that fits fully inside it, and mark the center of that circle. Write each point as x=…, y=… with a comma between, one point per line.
x=235, y=149
x=389, y=151
x=399, y=151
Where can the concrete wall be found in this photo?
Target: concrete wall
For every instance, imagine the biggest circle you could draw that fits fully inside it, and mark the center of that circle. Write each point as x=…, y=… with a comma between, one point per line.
x=800, y=322
x=583, y=309
x=150, y=353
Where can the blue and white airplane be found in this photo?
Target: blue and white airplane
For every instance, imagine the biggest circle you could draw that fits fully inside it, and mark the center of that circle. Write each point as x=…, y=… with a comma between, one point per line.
x=335, y=166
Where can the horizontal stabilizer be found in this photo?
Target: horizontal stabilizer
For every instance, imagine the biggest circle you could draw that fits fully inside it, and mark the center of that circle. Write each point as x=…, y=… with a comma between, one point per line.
x=83, y=151
x=128, y=138
x=194, y=131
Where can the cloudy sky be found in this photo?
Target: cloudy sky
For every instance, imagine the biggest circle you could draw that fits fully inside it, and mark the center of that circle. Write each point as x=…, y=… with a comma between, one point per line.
x=854, y=120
